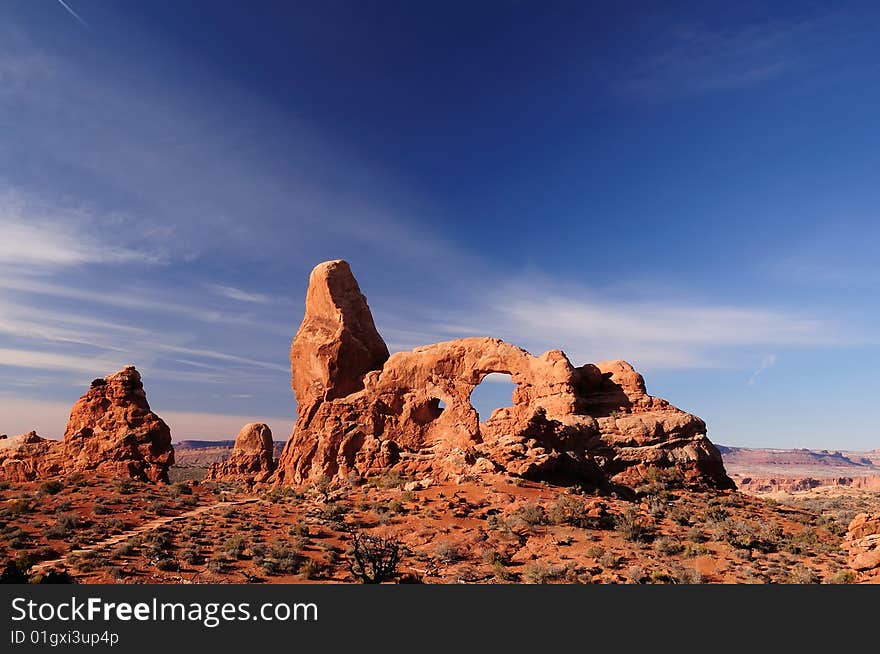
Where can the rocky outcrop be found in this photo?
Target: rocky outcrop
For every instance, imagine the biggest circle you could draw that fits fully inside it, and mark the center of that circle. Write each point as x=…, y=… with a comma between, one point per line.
x=367, y=412
x=337, y=342
x=863, y=542
x=27, y=457
x=252, y=459
x=111, y=430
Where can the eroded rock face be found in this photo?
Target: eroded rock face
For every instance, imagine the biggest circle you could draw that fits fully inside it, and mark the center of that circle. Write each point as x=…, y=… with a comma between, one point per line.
x=27, y=457
x=863, y=542
x=252, y=459
x=337, y=342
x=366, y=414
x=111, y=429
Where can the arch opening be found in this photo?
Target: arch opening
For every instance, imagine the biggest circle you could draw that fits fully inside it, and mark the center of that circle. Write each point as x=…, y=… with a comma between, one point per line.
x=495, y=391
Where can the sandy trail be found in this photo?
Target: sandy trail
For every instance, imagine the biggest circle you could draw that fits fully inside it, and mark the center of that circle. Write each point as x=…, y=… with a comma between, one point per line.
x=142, y=529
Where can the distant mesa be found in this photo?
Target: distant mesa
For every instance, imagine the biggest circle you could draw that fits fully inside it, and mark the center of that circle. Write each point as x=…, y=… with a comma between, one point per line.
x=252, y=459
x=111, y=430
x=363, y=411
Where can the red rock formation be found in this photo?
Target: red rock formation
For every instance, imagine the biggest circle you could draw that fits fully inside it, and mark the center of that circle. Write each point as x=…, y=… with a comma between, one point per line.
x=795, y=484
x=863, y=542
x=27, y=457
x=252, y=459
x=111, y=429
x=337, y=342
x=370, y=412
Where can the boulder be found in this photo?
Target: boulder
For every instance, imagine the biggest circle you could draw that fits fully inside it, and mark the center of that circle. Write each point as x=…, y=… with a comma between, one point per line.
x=863, y=543
x=252, y=458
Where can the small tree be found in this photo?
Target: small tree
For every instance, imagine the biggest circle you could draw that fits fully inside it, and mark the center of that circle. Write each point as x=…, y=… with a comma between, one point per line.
x=374, y=559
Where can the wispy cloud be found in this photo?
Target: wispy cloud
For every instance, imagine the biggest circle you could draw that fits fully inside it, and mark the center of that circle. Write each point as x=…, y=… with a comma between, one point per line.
x=238, y=294
x=694, y=59
x=767, y=362
x=36, y=236
x=653, y=335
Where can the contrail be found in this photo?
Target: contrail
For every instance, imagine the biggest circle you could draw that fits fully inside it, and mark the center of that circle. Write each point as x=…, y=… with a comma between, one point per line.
x=74, y=14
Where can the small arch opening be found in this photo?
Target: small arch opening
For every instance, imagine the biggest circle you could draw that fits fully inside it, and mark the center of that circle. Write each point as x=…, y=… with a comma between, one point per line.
x=429, y=411
x=494, y=392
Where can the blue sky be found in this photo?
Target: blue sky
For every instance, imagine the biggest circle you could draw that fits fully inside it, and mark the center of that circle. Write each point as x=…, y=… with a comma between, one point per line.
x=692, y=187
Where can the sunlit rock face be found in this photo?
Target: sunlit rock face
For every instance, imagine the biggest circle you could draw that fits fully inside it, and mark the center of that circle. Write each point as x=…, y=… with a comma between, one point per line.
x=362, y=411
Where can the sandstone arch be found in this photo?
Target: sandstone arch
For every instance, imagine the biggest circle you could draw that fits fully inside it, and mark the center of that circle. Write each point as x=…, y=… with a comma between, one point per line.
x=362, y=411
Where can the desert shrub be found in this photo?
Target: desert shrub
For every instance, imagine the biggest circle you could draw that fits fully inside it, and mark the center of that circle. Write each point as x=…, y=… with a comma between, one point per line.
x=538, y=573
x=610, y=560
x=155, y=545
x=693, y=550
x=86, y=561
x=801, y=574
x=126, y=486
x=15, y=571
x=20, y=542
x=300, y=529
x=629, y=525
x=635, y=574
x=235, y=546
x=20, y=505
x=803, y=542
x=374, y=559
x=500, y=572
x=389, y=479
x=695, y=535
x=666, y=546
x=660, y=479
x=532, y=514
x=67, y=523
x=655, y=505
x=686, y=575
x=182, y=488
x=217, y=564
x=680, y=515
x=281, y=559
x=498, y=522
x=842, y=577
x=100, y=509
x=123, y=549
x=310, y=569
x=492, y=556
x=659, y=577
x=743, y=555
x=571, y=510
x=191, y=556
x=158, y=507
x=53, y=577
x=448, y=552
x=595, y=551
x=52, y=487
x=716, y=515
x=334, y=511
